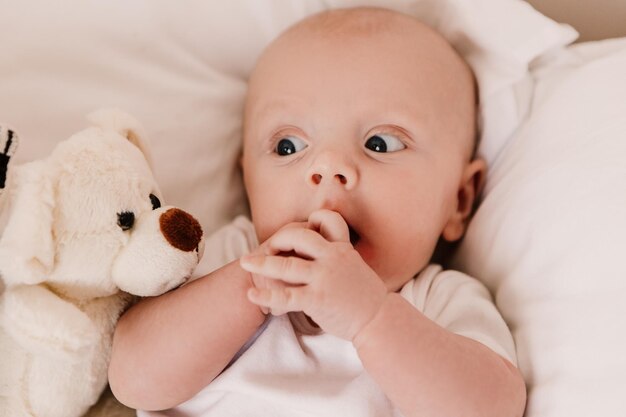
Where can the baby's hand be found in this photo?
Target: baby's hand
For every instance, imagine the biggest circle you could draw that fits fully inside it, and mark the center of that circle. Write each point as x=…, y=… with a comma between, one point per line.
x=261, y=282
x=323, y=275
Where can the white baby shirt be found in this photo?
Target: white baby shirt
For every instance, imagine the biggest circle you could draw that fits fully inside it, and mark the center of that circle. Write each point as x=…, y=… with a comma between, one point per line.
x=284, y=373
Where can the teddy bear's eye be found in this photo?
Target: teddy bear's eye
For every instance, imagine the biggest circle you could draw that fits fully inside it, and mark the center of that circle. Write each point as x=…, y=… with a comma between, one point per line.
x=156, y=203
x=125, y=220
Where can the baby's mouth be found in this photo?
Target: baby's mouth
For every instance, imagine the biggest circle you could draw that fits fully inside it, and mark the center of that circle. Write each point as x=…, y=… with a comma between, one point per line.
x=354, y=236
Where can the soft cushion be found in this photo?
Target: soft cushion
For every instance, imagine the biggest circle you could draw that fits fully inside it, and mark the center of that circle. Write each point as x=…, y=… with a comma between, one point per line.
x=548, y=239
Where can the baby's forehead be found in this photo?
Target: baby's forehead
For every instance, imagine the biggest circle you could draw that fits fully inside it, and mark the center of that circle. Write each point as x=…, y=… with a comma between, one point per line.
x=355, y=21
x=364, y=24
x=376, y=30
x=393, y=51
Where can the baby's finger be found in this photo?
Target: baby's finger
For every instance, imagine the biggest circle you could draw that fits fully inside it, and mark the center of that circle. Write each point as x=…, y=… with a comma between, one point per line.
x=259, y=281
x=264, y=248
x=331, y=225
x=304, y=242
x=296, y=225
x=290, y=269
x=278, y=301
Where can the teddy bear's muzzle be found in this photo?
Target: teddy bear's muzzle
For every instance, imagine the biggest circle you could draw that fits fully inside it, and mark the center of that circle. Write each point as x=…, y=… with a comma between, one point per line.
x=164, y=247
x=180, y=229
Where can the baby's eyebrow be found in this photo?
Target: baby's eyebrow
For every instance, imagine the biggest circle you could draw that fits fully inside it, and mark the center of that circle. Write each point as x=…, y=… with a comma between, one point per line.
x=261, y=111
x=267, y=115
x=276, y=105
x=407, y=133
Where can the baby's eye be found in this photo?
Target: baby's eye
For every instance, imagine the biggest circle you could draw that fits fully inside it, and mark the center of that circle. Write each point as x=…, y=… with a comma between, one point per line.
x=384, y=143
x=289, y=145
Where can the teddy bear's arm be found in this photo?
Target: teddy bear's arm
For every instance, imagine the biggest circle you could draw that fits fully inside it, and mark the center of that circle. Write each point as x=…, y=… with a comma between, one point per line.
x=43, y=323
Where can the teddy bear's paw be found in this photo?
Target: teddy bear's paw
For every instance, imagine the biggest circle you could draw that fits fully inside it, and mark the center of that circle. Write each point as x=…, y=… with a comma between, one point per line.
x=8, y=146
x=42, y=323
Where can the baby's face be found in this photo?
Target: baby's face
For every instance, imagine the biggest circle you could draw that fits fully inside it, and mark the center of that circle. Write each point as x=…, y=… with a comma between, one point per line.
x=378, y=128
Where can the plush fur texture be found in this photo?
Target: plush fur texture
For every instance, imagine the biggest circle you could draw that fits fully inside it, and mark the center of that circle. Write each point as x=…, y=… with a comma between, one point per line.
x=69, y=268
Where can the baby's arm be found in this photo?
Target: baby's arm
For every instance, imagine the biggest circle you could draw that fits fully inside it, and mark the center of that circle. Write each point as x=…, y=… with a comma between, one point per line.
x=167, y=348
x=426, y=370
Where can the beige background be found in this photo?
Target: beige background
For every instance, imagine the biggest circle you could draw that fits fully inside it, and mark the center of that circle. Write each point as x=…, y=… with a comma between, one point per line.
x=594, y=19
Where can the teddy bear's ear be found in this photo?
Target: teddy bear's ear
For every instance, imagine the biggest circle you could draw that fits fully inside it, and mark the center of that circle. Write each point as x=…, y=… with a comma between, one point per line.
x=125, y=125
x=27, y=246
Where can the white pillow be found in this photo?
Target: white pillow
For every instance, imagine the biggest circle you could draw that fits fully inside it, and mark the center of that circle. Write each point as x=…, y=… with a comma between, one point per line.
x=549, y=237
x=180, y=69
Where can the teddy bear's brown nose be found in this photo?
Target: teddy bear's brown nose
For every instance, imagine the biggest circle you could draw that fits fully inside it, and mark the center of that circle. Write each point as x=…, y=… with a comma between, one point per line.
x=180, y=229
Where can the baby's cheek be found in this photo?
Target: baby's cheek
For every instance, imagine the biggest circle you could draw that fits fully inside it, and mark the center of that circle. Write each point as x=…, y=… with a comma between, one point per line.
x=269, y=218
x=413, y=248
x=263, y=225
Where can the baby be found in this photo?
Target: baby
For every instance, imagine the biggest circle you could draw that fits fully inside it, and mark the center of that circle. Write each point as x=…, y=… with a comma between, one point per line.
x=358, y=158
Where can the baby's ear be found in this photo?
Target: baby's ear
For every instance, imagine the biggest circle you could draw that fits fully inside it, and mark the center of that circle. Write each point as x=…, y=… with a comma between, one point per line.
x=27, y=246
x=471, y=185
x=125, y=125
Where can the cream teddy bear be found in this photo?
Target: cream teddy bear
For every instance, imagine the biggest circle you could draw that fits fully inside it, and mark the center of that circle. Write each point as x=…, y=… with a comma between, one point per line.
x=84, y=229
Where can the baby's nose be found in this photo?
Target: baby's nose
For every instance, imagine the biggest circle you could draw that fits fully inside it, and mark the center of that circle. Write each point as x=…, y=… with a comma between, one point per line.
x=181, y=229
x=332, y=169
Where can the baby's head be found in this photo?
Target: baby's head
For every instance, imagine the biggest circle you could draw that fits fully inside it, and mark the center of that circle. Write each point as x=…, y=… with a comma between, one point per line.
x=372, y=114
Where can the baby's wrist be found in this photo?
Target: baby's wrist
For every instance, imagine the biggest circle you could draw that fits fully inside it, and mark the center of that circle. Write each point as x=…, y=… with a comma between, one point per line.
x=248, y=285
x=377, y=324
x=253, y=287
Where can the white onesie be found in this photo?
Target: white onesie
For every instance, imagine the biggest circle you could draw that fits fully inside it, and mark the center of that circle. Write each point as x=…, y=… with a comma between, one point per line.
x=284, y=373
